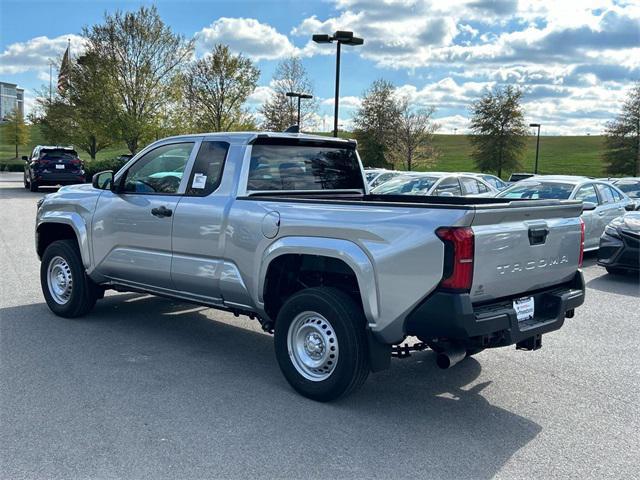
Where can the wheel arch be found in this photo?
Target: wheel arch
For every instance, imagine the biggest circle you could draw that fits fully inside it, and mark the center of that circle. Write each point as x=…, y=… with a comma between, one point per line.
x=339, y=257
x=60, y=228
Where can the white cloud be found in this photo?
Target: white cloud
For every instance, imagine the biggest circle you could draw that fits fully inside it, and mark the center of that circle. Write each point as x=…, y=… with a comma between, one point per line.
x=36, y=53
x=260, y=95
x=248, y=36
x=349, y=102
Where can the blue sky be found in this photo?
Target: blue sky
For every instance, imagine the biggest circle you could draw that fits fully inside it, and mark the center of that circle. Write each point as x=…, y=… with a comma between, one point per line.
x=575, y=60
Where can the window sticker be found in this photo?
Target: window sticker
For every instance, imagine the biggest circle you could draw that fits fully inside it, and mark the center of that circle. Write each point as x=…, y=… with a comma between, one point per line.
x=199, y=181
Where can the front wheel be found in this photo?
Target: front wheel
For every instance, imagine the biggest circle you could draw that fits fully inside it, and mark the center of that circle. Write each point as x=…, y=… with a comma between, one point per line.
x=68, y=290
x=321, y=343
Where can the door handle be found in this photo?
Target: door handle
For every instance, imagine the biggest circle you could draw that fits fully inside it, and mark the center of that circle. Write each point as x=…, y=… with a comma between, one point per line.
x=161, y=211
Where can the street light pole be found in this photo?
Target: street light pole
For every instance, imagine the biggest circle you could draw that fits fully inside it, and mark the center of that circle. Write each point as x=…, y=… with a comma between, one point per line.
x=340, y=37
x=300, y=96
x=535, y=170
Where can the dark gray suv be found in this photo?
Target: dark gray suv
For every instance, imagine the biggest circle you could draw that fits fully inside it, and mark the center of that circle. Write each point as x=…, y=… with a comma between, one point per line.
x=52, y=165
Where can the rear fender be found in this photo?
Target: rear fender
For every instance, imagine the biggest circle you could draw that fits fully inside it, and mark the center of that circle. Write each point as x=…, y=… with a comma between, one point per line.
x=344, y=250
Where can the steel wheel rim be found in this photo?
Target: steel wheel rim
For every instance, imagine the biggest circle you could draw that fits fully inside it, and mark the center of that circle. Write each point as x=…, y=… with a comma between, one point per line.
x=313, y=346
x=59, y=280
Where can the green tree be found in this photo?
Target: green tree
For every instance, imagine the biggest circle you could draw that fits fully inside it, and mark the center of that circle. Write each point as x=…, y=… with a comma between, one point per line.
x=622, y=137
x=279, y=111
x=143, y=57
x=499, y=130
x=14, y=130
x=413, y=138
x=216, y=88
x=376, y=122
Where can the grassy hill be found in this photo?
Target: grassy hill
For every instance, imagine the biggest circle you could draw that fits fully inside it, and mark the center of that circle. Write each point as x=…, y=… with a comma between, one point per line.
x=569, y=155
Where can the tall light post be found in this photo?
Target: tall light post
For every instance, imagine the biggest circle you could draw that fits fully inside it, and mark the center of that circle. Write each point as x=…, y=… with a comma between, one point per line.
x=535, y=170
x=300, y=96
x=341, y=38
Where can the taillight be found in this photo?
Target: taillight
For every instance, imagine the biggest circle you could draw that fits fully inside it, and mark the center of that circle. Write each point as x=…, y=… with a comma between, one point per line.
x=459, y=246
x=76, y=161
x=581, y=255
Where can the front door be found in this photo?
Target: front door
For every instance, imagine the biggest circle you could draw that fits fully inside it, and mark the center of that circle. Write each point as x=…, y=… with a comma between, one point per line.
x=131, y=228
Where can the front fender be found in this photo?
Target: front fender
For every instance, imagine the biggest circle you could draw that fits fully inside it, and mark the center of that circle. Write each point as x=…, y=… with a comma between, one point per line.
x=76, y=222
x=343, y=250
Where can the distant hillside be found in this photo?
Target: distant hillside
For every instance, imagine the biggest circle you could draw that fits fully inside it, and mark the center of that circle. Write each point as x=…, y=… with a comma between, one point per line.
x=571, y=155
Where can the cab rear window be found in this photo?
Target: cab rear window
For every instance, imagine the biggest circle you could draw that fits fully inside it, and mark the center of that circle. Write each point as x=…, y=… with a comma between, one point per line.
x=303, y=167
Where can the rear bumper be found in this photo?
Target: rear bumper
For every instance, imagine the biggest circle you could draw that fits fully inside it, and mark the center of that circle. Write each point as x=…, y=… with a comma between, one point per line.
x=452, y=317
x=66, y=178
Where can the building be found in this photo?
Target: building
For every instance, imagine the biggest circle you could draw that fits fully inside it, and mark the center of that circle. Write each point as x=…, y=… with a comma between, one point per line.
x=11, y=97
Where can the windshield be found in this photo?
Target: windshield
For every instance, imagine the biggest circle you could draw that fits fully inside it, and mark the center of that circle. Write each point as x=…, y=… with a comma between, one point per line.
x=303, y=167
x=539, y=191
x=371, y=175
x=632, y=189
x=407, y=185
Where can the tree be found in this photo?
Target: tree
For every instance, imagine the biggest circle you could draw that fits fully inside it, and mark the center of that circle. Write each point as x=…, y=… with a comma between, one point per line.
x=280, y=111
x=376, y=122
x=14, y=130
x=499, y=130
x=143, y=57
x=216, y=88
x=413, y=137
x=622, y=137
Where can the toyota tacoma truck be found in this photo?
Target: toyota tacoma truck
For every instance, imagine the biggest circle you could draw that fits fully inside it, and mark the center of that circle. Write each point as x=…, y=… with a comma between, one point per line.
x=282, y=228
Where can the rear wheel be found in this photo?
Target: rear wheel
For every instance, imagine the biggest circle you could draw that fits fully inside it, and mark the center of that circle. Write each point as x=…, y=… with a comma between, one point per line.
x=68, y=290
x=321, y=344
x=33, y=186
x=25, y=181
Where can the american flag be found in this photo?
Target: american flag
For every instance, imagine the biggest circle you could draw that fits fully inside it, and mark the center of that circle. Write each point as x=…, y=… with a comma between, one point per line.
x=63, y=74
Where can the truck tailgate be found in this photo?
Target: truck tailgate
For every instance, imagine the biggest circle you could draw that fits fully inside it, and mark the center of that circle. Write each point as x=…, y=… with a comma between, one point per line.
x=524, y=246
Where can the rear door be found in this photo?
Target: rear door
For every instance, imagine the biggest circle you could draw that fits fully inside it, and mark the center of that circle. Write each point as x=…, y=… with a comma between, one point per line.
x=131, y=228
x=609, y=207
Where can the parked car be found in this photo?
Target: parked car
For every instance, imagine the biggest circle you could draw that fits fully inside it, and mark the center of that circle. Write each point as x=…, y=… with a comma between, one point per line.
x=495, y=182
x=516, y=177
x=620, y=244
x=631, y=187
x=372, y=173
x=280, y=227
x=384, y=177
x=443, y=184
x=52, y=165
x=602, y=202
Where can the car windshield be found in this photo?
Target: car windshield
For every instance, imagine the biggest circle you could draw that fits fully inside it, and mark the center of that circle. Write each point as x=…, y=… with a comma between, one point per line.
x=407, y=185
x=539, y=191
x=632, y=189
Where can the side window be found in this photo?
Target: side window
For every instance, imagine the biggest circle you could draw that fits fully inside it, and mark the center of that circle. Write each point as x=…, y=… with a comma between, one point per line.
x=482, y=188
x=159, y=171
x=587, y=193
x=617, y=196
x=381, y=179
x=606, y=194
x=470, y=185
x=207, y=169
x=450, y=185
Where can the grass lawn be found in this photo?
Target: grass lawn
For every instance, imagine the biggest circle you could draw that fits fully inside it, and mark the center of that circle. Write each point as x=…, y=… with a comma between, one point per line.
x=559, y=155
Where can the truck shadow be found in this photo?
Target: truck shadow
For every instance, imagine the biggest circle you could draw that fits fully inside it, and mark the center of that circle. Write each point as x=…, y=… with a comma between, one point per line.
x=156, y=368
x=628, y=284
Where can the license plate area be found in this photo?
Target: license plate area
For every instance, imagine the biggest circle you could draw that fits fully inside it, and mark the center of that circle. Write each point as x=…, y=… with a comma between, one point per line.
x=59, y=167
x=525, y=308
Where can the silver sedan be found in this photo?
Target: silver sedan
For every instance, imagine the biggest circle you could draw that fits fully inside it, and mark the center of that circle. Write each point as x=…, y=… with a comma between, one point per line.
x=602, y=201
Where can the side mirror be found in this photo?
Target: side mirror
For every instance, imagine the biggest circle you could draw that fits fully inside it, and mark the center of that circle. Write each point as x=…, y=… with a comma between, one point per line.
x=25, y=158
x=586, y=206
x=103, y=180
x=630, y=207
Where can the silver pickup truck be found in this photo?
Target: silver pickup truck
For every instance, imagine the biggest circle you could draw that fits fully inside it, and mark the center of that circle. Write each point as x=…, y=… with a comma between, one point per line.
x=281, y=227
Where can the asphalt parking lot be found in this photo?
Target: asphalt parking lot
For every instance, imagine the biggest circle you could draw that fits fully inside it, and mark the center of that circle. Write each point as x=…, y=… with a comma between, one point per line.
x=146, y=387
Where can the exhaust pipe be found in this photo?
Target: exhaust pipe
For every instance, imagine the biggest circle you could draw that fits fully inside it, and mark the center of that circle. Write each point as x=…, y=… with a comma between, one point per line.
x=450, y=356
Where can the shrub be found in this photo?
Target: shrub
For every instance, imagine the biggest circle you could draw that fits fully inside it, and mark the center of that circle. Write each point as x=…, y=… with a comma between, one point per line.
x=94, y=166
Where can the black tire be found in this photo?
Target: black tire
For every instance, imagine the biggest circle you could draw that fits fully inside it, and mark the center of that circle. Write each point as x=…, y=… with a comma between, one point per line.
x=347, y=319
x=24, y=181
x=33, y=186
x=84, y=292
